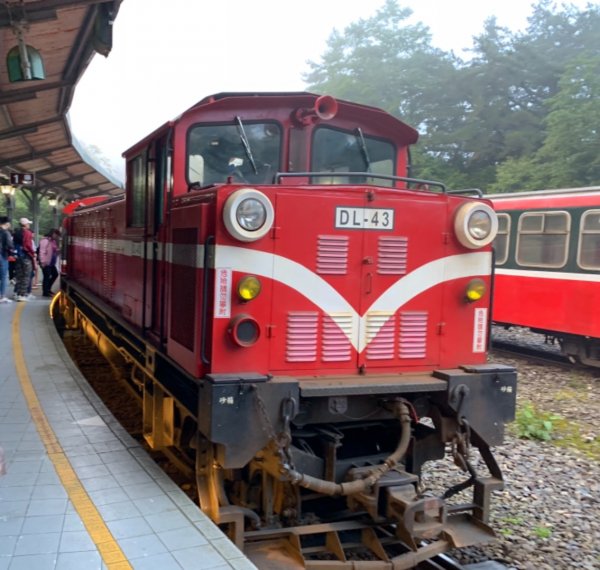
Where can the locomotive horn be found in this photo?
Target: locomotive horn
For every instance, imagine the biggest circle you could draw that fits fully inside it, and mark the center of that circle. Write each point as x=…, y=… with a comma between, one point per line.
x=325, y=108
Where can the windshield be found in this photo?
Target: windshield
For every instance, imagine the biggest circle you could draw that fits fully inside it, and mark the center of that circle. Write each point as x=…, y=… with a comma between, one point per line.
x=248, y=153
x=341, y=151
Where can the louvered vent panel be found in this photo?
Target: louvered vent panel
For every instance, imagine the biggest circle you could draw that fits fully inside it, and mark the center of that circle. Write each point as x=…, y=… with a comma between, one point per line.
x=392, y=255
x=332, y=255
x=337, y=329
x=381, y=336
x=413, y=334
x=302, y=336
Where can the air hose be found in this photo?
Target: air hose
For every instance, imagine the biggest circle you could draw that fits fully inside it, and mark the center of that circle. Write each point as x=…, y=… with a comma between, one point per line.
x=402, y=412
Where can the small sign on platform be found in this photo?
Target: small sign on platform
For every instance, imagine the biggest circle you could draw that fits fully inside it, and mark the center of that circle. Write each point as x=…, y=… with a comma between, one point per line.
x=27, y=178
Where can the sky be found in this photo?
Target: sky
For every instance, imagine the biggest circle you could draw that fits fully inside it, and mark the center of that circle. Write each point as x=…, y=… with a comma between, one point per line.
x=167, y=56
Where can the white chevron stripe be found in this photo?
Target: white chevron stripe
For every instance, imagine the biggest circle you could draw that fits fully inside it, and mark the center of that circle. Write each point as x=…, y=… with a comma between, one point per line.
x=424, y=278
x=313, y=286
x=322, y=294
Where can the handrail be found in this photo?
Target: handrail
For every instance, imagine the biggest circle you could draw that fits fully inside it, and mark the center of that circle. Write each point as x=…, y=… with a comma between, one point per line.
x=426, y=183
x=476, y=191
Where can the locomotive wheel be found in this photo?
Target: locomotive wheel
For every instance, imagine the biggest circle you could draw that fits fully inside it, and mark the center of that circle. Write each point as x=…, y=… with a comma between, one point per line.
x=207, y=478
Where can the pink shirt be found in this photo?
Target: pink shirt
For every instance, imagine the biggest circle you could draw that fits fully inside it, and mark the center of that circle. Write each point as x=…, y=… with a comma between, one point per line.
x=48, y=248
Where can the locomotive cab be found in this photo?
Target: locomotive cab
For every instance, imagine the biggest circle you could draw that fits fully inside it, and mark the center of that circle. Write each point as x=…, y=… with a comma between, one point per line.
x=334, y=173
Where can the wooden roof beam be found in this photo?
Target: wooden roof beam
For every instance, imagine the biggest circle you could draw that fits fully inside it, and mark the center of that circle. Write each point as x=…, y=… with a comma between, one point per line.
x=58, y=168
x=28, y=93
x=39, y=11
x=32, y=156
x=28, y=128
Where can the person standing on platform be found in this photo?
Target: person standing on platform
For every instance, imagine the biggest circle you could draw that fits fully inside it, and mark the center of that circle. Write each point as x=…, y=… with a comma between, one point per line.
x=48, y=257
x=25, y=254
x=6, y=250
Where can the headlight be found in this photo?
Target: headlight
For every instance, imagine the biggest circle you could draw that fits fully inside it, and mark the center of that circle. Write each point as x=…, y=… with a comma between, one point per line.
x=248, y=214
x=476, y=225
x=480, y=224
x=251, y=214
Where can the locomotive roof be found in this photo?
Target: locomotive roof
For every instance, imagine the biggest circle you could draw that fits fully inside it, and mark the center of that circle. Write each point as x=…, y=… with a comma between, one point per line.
x=381, y=118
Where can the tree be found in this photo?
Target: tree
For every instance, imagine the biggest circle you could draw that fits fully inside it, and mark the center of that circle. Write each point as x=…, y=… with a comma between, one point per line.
x=570, y=154
x=498, y=120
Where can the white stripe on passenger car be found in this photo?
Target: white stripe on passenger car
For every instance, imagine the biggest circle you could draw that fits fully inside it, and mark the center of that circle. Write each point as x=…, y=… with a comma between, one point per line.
x=558, y=275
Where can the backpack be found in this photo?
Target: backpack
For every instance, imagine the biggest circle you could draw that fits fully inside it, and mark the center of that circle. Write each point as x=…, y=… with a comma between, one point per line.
x=18, y=243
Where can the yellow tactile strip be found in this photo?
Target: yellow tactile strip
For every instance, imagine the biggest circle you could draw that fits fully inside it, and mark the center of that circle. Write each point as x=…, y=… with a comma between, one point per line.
x=109, y=549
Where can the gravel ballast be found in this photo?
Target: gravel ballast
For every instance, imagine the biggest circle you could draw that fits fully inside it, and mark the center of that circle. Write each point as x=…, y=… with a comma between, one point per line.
x=548, y=515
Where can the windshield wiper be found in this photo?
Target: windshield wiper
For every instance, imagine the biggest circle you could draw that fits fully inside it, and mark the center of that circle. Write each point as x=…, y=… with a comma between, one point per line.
x=246, y=144
x=363, y=147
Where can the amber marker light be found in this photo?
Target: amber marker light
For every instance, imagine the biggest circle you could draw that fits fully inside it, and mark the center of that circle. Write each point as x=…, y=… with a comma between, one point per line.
x=475, y=290
x=249, y=287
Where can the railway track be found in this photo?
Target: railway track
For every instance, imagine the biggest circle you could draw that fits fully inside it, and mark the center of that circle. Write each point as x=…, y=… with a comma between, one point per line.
x=350, y=545
x=539, y=354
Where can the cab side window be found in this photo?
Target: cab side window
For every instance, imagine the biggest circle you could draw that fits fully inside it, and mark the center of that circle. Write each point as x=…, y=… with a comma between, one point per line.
x=136, y=192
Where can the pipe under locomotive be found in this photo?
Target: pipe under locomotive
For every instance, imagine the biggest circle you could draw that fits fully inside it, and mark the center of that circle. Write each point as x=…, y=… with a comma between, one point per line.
x=303, y=322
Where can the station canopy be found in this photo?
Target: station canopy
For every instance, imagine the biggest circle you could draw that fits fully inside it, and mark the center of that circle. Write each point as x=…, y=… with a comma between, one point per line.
x=46, y=46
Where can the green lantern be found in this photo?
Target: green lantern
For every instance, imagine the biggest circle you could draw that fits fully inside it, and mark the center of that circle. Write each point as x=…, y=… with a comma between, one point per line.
x=24, y=64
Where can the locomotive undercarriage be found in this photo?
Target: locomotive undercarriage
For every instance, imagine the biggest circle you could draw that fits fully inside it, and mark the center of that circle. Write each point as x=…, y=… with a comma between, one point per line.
x=317, y=473
x=321, y=485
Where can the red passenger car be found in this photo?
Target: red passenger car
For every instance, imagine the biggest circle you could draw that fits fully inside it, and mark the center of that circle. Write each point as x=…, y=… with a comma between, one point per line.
x=292, y=307
x=548, y=266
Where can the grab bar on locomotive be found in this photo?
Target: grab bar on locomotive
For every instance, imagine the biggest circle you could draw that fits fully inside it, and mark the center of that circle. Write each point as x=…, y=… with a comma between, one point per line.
x=425, y=184
x=476, y=191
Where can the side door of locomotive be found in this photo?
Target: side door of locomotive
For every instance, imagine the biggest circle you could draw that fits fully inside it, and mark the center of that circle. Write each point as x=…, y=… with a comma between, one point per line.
x=401, y=279
x=154, y=239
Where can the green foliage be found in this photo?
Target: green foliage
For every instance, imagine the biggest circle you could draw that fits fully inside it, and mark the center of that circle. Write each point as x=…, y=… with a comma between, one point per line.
x=521, y=114
x=534, y=424
x=542, y=531
x=23, y=208
x=572, y=435
x=507, y=522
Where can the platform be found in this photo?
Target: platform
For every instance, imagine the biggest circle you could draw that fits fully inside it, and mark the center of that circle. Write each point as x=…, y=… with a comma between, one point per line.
x=78, y=492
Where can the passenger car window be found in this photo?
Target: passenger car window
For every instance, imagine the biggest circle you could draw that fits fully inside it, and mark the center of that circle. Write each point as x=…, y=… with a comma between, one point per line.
x=543, y=239
x=334, y=150
x=588, y=255
x=217, y=152
x=502, y=239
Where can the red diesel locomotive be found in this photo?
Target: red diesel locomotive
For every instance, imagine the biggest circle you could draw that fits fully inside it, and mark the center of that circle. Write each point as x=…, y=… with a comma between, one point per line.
x=303, y=323
x=548, y=267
